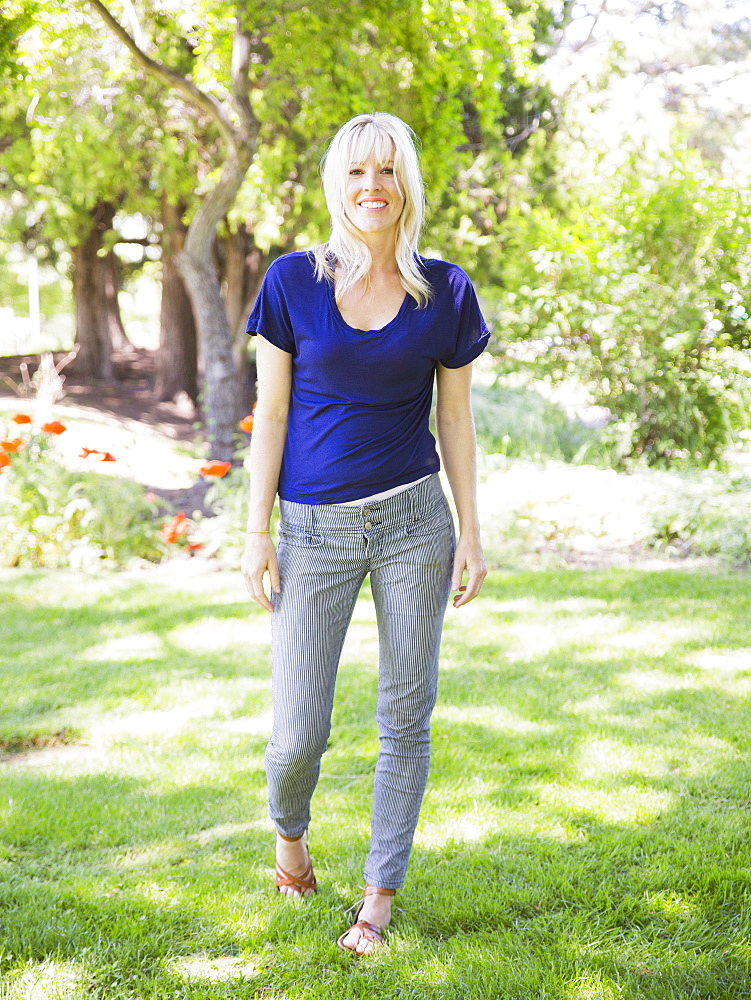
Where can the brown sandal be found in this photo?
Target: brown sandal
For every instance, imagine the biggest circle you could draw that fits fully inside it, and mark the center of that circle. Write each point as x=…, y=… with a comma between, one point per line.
x=302, y=883
x=371, y=932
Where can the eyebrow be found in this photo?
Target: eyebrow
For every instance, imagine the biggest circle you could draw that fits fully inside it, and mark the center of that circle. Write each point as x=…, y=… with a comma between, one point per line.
x=359, y=163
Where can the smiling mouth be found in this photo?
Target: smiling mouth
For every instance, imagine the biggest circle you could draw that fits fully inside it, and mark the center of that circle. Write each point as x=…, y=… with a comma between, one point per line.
x=373, y=204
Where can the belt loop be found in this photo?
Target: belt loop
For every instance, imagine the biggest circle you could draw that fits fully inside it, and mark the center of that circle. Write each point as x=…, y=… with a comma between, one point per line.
x=413, y=504
x=310, y=519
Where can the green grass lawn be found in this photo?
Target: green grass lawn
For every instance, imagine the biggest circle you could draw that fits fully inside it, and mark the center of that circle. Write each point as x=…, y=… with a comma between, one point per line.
x=586, y=832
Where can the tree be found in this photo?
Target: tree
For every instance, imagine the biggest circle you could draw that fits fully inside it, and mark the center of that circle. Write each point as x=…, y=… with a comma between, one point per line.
x=196, y=261
x=72, y=161
x=286, y=76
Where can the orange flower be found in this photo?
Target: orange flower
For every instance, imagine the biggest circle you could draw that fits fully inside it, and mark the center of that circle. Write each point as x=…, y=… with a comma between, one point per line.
x=54, y=427
x=21, y=418
x=16, y=444
x=195, y=546
x=4, y=461
x=216, y=469
x=106, y=455
x=151, y=497
x=176, y=528
x=246, y=424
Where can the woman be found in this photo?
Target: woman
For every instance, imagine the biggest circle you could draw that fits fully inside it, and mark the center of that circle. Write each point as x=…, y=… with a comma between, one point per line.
x=350, y=338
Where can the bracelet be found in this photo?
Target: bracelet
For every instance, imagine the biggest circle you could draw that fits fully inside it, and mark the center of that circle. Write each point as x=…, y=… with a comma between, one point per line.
x=266, y=532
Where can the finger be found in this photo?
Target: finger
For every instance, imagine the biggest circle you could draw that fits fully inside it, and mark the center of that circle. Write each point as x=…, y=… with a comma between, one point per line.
x=248, y=578
x=459, y=569
x=258, y=593
x=459, y=598
x=276, y=583
x=474, y=585
x=262, y=599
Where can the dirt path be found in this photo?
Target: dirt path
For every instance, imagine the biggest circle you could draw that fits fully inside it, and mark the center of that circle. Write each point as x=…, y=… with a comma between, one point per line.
x=122, y=417
x=128, y=398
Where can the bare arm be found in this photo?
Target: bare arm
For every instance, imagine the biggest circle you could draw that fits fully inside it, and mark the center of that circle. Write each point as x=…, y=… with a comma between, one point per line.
x=457, y=441
x=266, y=449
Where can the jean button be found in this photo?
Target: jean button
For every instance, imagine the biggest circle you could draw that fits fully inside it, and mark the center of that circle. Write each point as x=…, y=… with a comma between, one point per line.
x=366, y=511
x=368, y=524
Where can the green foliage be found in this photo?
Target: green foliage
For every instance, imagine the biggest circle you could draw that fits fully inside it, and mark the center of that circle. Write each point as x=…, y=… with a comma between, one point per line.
x=92, y=131
x=52, y=516
x=642, y=297
x=223, y=534
x=520, y=423
x=459, y=73
x=706, y=515
x=15, y=19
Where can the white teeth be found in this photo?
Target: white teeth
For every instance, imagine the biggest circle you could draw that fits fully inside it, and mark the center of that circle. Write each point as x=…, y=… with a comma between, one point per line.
x=372, y=204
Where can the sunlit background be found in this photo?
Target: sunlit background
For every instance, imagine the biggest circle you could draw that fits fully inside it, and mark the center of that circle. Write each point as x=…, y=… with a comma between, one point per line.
x=585, y=835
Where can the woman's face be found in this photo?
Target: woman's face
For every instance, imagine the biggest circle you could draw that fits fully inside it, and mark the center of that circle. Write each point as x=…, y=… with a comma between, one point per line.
x=374, y=202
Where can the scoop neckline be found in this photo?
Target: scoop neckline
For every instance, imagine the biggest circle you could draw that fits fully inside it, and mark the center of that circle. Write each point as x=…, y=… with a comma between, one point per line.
x=355, y=329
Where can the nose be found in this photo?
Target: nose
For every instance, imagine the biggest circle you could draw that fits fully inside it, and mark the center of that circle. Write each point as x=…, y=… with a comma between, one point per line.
x=371, y=180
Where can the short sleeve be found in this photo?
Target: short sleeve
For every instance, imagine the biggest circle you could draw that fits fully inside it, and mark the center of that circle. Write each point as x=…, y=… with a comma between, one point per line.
x=472, y=333
x=270, y=316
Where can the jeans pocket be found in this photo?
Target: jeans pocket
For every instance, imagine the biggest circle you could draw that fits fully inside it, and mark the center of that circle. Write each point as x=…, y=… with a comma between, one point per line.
x=299, y=536
x=435, y=519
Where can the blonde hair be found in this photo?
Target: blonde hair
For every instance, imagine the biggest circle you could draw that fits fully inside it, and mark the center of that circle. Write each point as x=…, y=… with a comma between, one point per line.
x=383, y=136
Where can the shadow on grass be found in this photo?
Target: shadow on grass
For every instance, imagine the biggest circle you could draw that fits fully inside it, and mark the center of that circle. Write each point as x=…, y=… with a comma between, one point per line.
x=586, y=832
x=61, y=666
x=636, y=911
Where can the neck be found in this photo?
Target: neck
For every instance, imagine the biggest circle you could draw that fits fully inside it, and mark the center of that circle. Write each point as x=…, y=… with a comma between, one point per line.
x=382, y=248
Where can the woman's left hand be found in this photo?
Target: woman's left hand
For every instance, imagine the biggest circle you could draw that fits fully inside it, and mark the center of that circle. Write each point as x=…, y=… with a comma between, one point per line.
x=469, y=558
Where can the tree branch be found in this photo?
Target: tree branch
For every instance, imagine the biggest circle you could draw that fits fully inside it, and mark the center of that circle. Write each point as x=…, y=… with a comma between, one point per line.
x=168, y=76
x=241, y=51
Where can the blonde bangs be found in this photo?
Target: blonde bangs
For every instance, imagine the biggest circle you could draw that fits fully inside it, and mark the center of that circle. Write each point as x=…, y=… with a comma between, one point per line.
x=370, y=140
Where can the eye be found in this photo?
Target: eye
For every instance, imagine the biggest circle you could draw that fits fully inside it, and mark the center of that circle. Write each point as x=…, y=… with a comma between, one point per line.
x=388, y=170
x=354, y=171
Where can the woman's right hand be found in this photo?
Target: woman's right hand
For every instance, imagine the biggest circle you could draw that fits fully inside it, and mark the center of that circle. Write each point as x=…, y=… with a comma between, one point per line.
x=260, y=558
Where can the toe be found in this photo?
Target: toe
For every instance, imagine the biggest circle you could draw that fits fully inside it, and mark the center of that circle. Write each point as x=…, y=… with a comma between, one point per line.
x=351, y=940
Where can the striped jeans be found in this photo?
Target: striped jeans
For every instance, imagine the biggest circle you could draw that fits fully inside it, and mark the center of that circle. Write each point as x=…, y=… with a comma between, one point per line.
x=406, y=543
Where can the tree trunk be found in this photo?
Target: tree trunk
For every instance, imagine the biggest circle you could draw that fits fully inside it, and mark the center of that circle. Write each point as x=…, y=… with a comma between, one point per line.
x=240, y=132
x=237, y=249
x=94, y=358
x=222, y=398
x=118, y=337
x=245, y=266
x=177, y=357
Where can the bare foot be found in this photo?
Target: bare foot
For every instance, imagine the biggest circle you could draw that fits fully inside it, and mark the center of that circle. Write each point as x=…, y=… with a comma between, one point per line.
x=376, y=909
x=293, y=857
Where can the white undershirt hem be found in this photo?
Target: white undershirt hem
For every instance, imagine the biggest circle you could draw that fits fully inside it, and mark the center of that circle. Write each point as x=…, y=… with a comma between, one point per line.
x=383, y=495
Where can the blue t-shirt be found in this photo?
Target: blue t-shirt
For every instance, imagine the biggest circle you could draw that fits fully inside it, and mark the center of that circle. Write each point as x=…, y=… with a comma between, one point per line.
x=360, y=404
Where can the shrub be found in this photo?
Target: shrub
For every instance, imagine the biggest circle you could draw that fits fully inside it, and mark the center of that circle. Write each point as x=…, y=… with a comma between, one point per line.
x=707, y=514
x=642, y=296
x=520, y=423
x=52, y=516
x=223, y=534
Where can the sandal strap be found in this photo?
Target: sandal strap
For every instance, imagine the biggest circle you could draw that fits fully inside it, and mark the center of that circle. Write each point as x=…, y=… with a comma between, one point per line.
x=302, y=883
x=370, y=932
x=375, y=890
